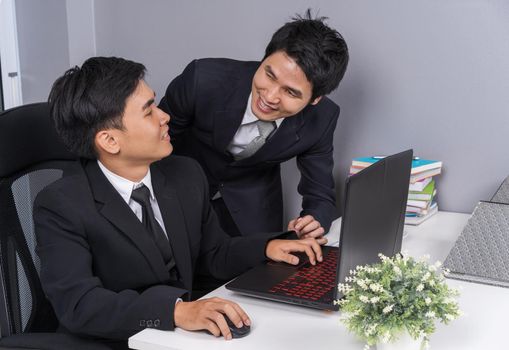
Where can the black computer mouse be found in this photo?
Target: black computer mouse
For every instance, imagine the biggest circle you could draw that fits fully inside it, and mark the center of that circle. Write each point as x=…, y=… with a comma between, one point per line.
x=237, y=332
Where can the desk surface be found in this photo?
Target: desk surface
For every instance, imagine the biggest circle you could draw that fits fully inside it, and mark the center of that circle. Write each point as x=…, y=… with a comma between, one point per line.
x=281, y=326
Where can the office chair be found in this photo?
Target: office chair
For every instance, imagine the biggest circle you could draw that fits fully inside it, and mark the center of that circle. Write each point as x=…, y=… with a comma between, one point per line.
x=31, y=157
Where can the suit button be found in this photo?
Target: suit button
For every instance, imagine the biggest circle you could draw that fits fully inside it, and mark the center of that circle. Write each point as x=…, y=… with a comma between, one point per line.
x=157, y=323
x=142, y=323
x=221, y=185
x=150, y=323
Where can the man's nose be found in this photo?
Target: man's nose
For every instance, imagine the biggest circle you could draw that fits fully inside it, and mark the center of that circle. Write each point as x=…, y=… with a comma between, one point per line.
x=272, y=95
x=165, y=117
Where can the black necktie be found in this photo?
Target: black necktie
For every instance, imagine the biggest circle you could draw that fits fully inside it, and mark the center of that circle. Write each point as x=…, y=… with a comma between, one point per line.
x=142, y=196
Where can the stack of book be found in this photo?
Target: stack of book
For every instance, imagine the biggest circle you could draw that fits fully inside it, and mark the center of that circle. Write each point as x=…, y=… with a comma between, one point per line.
x=421, y=192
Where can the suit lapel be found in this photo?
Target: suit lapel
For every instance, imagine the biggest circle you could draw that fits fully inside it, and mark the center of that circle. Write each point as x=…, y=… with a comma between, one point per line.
x=226, y=124
x=116, y=211
x=227, y=121
x=173, y=218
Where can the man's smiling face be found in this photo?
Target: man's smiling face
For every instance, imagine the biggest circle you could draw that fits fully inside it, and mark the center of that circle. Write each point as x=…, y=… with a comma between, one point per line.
x=280, y=88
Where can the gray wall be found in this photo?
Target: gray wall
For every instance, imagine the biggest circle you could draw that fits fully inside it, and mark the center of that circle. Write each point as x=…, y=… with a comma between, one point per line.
x=43, y=46
x=432, y=75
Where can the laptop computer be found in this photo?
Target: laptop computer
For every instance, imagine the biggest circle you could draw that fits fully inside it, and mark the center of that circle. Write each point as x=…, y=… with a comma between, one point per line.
x=372, y=223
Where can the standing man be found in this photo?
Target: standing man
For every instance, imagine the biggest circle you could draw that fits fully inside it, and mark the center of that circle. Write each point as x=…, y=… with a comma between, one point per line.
x=120, y=240
x=240, y=120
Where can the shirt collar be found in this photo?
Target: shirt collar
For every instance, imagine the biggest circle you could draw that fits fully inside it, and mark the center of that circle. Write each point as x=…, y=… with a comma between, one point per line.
x=124, y=186
x=250, y=117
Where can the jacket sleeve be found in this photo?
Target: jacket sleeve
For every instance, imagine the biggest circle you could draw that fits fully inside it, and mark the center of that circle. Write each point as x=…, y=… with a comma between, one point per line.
x=317, y=183
x=179, y=101
x=81, y=303
x=226, y=257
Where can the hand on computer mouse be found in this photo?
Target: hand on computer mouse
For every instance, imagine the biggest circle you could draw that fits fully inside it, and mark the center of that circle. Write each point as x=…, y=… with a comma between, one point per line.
x=211, y=315
x=235, y=331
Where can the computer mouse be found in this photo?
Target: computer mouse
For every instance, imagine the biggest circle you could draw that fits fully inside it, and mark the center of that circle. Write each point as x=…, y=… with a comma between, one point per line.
x=237, y=332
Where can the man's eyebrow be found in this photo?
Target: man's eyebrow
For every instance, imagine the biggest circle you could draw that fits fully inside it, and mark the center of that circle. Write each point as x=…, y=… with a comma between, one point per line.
x=295, y=92
x=149, y=102
x=268, y=69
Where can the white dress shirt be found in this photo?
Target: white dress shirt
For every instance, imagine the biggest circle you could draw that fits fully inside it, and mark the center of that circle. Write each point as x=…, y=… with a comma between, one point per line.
x=247, y=130
x=125, y=187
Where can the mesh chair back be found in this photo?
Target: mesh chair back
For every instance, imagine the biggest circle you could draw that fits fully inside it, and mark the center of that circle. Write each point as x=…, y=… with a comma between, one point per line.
x=31, y=157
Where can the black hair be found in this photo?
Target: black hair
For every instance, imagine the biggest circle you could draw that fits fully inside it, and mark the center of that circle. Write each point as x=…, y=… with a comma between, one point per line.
x=319, y=50
x=86, y=100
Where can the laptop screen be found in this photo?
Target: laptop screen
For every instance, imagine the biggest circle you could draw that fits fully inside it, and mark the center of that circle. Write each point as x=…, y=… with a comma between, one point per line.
x=374, y=212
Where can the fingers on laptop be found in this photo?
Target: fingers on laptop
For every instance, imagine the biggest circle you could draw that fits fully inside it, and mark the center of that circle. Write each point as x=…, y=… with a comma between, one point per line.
x=315, y=246
x=309, y=246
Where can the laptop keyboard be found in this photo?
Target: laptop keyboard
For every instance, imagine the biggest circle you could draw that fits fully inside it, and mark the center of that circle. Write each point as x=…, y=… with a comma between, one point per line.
x=311, y=282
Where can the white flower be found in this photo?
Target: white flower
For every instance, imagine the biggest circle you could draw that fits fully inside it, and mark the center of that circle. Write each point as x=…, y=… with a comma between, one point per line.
x=387, y=309
x=420, y=287
x=429, y=314
x=431, y=283
x=363, y=283
x=397, y=270
x=364, y=299
x=449, y=317
x=426, y=276
x=376, y=287
x=427, y=301
x=374, y=300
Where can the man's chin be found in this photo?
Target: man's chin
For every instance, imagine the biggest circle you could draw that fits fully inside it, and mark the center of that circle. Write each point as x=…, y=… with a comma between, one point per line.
x=266, y=117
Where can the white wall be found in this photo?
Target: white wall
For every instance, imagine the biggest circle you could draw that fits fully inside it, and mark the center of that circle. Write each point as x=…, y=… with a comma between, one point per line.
x=81, y=30
x=432, y=75
x=43, y=46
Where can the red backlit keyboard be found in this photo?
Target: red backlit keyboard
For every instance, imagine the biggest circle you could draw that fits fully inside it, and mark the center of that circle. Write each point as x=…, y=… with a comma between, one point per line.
x=311, y=282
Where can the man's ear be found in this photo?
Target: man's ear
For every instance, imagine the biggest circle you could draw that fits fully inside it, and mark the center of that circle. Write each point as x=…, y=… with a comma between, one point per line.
x=316, y=100
x=106, y=141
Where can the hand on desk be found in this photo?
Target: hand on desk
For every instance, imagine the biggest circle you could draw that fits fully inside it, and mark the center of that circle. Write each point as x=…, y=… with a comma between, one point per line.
x=280, y=249
x=306, y=227
x=209, y=314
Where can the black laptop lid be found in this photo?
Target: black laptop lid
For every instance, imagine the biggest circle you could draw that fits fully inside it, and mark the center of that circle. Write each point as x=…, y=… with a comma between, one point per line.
x=374, y=212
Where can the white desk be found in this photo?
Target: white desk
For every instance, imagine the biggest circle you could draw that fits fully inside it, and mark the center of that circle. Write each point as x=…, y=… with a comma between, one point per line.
x=280, y=326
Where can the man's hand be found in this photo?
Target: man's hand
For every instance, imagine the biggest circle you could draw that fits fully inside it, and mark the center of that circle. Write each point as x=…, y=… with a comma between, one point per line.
x=280, y=249
x=306, y=227
x=210, y=314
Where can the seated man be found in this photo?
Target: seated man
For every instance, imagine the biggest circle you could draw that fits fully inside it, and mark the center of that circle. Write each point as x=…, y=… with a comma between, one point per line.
x=120, y=240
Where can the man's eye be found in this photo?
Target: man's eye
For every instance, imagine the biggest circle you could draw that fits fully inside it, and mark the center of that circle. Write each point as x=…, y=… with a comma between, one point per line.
x=291, y=93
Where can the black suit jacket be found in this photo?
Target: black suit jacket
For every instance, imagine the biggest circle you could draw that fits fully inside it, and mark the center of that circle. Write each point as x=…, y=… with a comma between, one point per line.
x=207, y=103
x=100, y=270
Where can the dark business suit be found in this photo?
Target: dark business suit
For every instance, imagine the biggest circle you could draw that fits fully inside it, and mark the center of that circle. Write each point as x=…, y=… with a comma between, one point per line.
x=206, y=104
x=104, y=275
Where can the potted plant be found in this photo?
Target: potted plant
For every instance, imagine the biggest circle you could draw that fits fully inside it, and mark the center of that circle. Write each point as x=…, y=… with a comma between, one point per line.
x=397, y=299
